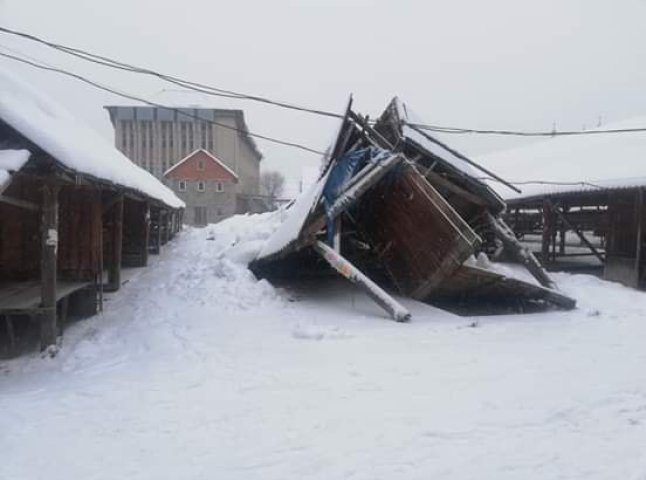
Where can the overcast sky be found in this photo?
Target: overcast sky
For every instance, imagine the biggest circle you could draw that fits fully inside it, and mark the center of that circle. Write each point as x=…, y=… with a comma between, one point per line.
x=486, y=64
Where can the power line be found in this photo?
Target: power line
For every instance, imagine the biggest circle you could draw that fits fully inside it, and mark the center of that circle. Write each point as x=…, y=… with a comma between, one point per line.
x=219, y=92
x=199, y=87
x=546, y=182
x=554, y=133
x=154, y=104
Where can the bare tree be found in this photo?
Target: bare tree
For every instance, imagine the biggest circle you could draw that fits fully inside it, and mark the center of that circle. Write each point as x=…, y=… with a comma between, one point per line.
x=272, y=184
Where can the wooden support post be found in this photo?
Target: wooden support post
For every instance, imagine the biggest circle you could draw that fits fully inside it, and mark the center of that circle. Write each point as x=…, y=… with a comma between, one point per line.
x=146, y=234
x=572, y=227
x=639, y=256
x=156, y=225
x=547, y=226
x=99, y=245
x=164, y=223
x=562, y=235
x=48, y=263
x=352, y=273
x=16, y=202
x=519, y=252
x=171, y=223
x=114, y=274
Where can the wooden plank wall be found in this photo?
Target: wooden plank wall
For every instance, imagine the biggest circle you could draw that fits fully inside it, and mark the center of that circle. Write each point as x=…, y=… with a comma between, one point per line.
x=420, y=239
x=20, y=234
x=79, y=233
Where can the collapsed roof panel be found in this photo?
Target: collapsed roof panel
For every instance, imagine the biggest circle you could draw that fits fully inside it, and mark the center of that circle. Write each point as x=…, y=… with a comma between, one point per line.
x=398, y=206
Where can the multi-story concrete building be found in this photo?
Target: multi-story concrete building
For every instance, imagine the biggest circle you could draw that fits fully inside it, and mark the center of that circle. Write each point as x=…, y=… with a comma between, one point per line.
x=157, y=138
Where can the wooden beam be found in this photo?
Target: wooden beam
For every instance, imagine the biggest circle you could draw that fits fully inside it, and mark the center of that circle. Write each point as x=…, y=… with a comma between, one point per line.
x=112, y=202
x=640, y=211
x=146, y=234
x=519, y=252
x=116, y=233
x=439, y=181
x=16, y=202
x=547, y=226
x=572, y=227
x=48, y=263
x=352, y=273
x=98, y=225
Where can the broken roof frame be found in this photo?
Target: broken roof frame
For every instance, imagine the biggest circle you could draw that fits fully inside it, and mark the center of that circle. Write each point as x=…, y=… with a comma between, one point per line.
x=420, y=205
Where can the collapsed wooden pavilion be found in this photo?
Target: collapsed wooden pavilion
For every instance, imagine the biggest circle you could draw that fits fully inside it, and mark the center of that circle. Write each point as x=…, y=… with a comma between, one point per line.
x=583, y=208
x=396, y=209
x=73, y=211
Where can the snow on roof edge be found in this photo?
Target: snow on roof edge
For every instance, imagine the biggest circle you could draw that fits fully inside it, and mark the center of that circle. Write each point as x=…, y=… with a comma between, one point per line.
x=11, y=160
x=71, y=143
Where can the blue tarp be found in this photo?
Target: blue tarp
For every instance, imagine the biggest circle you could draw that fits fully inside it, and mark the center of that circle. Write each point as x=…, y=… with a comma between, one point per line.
x=344, y=169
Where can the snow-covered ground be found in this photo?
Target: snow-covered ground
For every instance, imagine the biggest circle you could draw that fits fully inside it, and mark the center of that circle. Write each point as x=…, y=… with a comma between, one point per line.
x=196, y=370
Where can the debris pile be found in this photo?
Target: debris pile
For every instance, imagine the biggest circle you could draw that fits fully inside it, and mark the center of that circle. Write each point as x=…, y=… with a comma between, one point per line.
x=396, y=209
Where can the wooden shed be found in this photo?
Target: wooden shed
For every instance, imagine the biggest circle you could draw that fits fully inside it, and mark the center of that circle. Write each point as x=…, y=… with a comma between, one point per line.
x=73, y=210
x=582, y=204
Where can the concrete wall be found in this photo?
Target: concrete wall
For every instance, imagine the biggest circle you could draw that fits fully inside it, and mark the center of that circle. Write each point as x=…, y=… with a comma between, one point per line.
x=248, y=169
x=156, y=139
x=219, y=205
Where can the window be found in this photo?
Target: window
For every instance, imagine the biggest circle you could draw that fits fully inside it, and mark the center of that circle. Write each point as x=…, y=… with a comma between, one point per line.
x=219, y=187
x=181, y=186
x=200, y=186
x=200, y=165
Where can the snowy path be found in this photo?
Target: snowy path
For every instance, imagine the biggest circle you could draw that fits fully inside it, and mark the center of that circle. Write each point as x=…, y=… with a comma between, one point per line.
x=198, y=371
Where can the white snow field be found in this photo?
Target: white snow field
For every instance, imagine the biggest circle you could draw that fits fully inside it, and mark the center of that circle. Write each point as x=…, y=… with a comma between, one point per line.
x=196, y=370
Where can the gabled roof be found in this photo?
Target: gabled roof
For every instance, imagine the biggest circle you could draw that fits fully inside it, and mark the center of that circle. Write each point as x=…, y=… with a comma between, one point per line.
x=209, y=155
x=52, y=129
x=574, y=163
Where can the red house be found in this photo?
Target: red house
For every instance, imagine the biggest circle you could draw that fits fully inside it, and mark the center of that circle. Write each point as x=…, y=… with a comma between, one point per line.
x=207, y=186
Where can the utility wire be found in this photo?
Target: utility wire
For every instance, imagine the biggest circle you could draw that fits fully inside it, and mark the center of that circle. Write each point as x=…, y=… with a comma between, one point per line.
x=154, y=104
x=546, y=182
x=219, y=92
x=199, y=87
x=554, y=133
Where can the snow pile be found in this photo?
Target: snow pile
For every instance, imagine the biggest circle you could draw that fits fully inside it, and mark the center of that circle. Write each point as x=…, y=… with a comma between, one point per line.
x=11, y=161
x=198, y=371
x=293, y=218
x=582, y=162
x=509, y=270
x=74, y=145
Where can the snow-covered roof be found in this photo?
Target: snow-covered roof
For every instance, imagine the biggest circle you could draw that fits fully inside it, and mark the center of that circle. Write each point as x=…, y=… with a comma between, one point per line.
x=296, y=215
x=428, y=142
x=208, y=154
x=573, y=163
x=71, y=143
x=11, y=161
